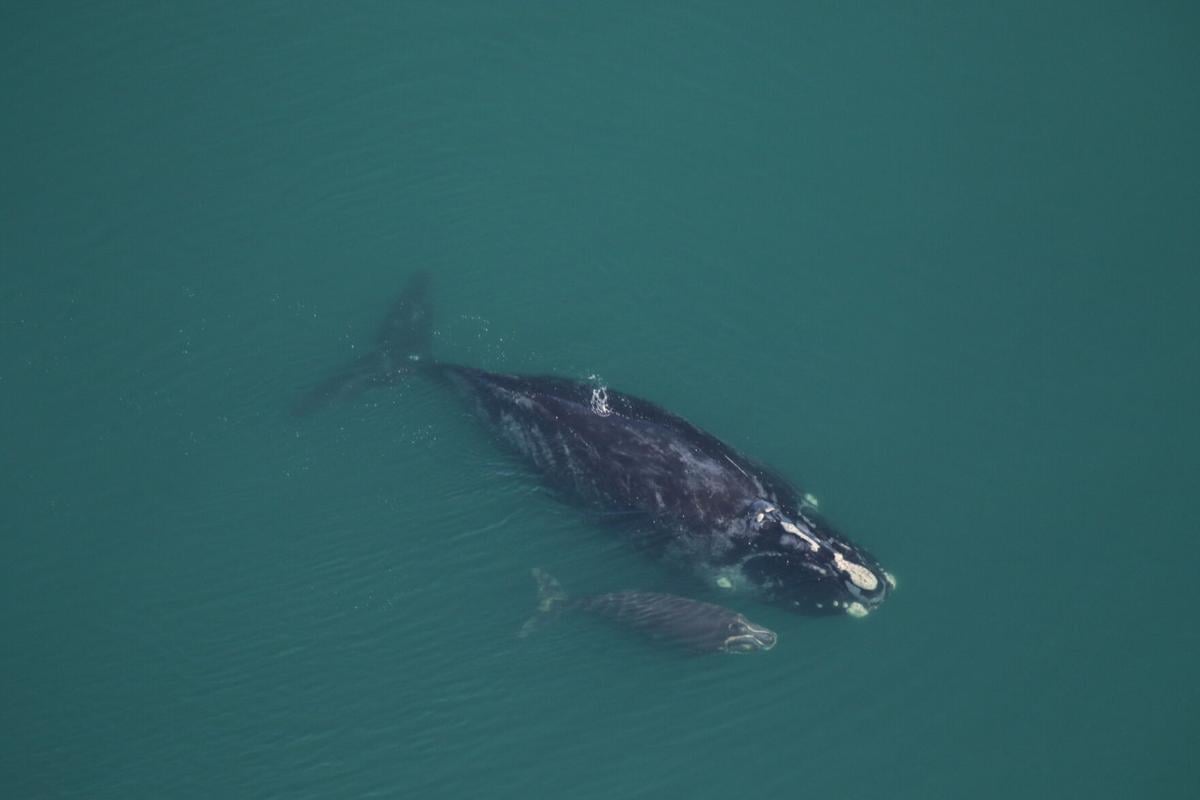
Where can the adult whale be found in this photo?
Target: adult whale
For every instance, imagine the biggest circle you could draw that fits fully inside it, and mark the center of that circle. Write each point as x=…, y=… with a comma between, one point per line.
x=694, y=500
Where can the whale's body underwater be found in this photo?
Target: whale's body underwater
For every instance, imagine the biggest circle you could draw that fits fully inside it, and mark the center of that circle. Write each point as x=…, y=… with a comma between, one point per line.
x=692, y=499
x=681, y=621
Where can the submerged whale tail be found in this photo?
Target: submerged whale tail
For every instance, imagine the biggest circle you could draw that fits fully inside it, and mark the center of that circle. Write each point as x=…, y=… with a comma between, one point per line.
x=551, y=599
x=402, y=344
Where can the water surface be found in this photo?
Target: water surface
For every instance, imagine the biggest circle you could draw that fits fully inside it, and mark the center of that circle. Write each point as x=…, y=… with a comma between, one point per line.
x=936, y=263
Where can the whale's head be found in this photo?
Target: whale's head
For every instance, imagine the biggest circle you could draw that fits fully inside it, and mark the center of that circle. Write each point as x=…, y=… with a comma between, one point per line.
x=798, y=561
x=746, y=637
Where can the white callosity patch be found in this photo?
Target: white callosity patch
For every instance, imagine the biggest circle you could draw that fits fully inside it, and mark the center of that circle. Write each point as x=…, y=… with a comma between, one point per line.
x=860, y=576
x=854, y=609
x=813, y=544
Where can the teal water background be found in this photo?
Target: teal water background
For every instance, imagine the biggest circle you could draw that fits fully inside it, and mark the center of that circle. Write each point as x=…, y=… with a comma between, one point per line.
x=936, y=261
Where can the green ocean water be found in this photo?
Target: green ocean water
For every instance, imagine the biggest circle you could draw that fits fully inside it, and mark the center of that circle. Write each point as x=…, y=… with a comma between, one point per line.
x=938, y=262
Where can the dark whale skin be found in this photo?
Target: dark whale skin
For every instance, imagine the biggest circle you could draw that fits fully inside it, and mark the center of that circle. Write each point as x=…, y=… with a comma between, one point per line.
x=702, y=504
x=689, y=498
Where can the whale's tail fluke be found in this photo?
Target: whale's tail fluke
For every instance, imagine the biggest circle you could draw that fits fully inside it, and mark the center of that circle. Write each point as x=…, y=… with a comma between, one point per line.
x=402, y=344
x=551, y=600
x=407, y=329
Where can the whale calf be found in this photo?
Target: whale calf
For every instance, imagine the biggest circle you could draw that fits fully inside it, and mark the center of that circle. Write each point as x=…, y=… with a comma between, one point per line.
x=690, y=624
